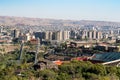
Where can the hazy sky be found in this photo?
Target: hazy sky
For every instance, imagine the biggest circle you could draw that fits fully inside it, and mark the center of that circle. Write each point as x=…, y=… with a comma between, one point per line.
x=107, y=10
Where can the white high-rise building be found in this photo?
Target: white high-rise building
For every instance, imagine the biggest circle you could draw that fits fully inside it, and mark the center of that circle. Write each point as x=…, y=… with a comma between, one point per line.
x=92, y=34
x=57, y=35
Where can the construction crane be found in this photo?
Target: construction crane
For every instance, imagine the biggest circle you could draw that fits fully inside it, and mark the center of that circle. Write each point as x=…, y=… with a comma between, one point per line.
x=37, y=51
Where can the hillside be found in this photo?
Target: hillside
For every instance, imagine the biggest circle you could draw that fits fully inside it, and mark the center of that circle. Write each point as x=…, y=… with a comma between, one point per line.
x=16, y=21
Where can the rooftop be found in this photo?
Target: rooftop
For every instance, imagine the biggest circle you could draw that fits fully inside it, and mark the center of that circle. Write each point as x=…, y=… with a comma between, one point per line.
x=106, y=57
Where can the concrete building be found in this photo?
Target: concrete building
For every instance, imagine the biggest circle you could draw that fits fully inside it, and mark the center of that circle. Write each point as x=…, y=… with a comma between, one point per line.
x=40, y=35
x=92, y=34
x=1, y=29
x=49, y=35
x=66, y=35
x=28, y=37
x=62, y=35
x=89, y=35
x=16, y=33
x=98, y=35
x=57, y=35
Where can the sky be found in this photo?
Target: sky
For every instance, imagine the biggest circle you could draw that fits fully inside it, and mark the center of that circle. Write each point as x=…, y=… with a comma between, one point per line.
x=100, y=10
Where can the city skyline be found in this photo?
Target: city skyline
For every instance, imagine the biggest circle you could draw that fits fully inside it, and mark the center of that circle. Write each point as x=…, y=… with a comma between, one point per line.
x=102, y=10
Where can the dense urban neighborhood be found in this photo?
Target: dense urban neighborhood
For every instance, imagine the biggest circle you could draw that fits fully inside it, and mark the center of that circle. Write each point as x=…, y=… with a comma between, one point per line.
x=51, y=52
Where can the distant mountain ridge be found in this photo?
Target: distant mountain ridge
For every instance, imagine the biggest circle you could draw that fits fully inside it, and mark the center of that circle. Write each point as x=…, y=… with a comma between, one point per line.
x=23, y=21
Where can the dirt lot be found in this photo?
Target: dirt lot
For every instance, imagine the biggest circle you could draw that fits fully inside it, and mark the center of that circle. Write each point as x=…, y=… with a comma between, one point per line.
x=9, y=47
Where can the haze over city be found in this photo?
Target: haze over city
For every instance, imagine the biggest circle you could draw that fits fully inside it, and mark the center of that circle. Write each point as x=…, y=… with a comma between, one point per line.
x=100, y=10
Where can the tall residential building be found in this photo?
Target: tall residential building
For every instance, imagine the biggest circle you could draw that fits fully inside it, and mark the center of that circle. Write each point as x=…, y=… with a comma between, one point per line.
x=1, y=29
x=40, y=35
x=66, y=35
x=16, y=33
x=99, y=35
x=83, y=34
x=62, y=35
x=57, y=35
x=47, y=35
x=92, y=34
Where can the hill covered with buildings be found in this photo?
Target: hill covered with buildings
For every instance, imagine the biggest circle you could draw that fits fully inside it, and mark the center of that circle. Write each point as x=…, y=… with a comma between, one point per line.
x=22, y=21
